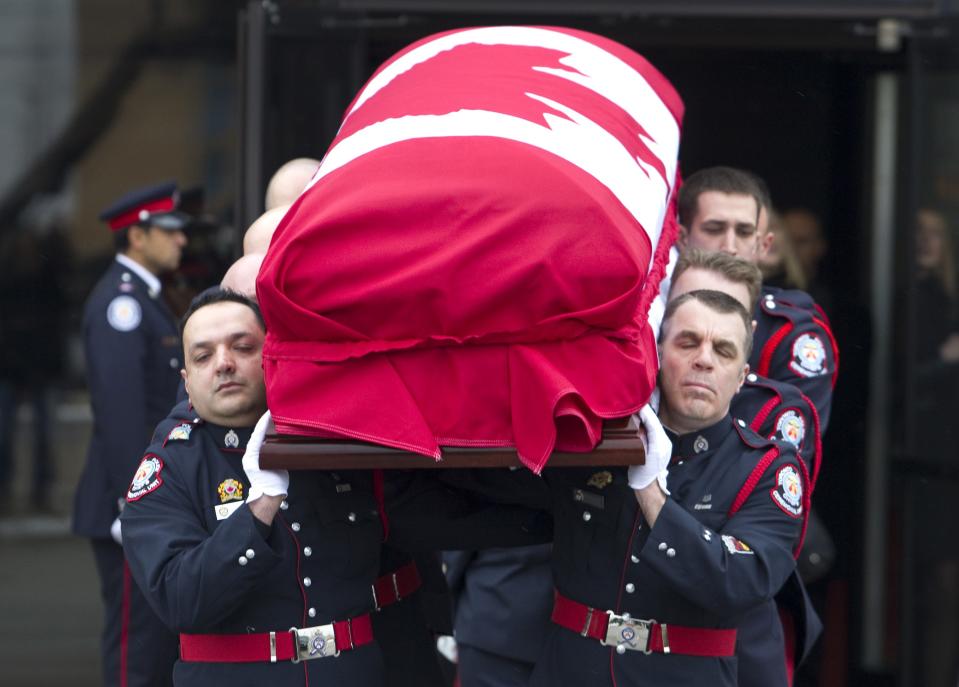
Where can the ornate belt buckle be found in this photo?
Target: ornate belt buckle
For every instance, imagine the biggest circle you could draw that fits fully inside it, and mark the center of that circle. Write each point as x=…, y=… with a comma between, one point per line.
x=313, y=642
x=629, y=633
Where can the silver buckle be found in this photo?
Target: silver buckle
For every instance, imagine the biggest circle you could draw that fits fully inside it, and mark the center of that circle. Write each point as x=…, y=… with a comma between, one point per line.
x=313, y=642
x=631, y=633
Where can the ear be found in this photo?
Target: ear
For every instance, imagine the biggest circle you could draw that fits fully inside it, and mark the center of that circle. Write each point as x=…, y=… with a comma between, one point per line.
x=742, y=377
x=755, y=324
x=682, y=240
x=765, y=243
x=186, y=382
x=136, y=235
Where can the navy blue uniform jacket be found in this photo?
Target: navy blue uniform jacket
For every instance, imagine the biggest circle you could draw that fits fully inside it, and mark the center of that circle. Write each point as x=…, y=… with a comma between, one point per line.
x=133, y=359
x=717, y=551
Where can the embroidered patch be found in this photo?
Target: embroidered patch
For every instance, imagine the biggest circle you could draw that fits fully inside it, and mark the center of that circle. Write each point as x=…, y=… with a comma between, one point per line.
x=734, y=545
x=124, y=313
x=180, y=432
x=146, y=479
x=225, y=510
x=231, y=440
x=787, y=494
x=808, y=356
x=230, y=490
x=600, y=480
x=790, y=427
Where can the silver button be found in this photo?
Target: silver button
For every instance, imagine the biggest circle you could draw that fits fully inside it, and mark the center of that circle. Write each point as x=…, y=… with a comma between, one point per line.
x=670, y=553
x=284, y=505
x=740, y=423
x=634, y=558
x=250, y=553
x=242, y=560
x=630, y=587
x=770, y=303
x=577, y=494
x=587, y=516
x=707, y=535
x=680, y=462
x=295, y=527
x=620, y=649
x=307, y=551
x=351, y=517
x=311, y=612
x=627, y=617
x=174, y=363
x=751, y=377
x=662, y=546
x=307, y=581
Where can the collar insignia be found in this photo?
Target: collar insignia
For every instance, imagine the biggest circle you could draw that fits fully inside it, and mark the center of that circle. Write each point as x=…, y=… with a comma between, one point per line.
x=231, y=440
x=700, y=445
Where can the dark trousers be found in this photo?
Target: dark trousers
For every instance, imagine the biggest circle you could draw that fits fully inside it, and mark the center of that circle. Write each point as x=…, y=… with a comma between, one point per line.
x=478, y=668
x=136, y=648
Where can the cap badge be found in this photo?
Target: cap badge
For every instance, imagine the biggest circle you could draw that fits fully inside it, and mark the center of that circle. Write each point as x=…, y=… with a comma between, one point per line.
x=600, y=480
x=231, y=440
x=230, y=490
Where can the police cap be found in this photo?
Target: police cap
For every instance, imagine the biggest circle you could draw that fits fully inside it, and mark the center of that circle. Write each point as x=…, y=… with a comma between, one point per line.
x=152, y=206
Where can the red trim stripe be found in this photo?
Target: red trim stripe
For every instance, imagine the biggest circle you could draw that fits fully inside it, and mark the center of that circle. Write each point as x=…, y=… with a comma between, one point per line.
x=133, y=216
x=765, y=360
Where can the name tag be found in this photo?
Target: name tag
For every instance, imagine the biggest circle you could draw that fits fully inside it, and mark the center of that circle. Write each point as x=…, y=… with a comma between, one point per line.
x=225, y=510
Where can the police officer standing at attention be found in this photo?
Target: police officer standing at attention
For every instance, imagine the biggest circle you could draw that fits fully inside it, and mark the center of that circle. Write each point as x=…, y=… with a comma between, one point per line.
x=133, y=353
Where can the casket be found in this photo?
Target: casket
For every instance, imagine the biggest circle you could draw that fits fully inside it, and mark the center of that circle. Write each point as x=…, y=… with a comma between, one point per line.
x=470, y=271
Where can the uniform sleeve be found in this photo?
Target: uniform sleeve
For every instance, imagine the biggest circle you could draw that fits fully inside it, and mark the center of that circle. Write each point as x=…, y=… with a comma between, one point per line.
x=806, y=358
x=192, y=578
x=428, y=515
x=747, y=561
x=116, y=373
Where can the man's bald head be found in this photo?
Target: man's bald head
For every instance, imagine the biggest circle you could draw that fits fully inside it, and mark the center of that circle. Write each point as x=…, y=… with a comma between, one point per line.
x=258, y=236
x=289, y=181
x=241, y=277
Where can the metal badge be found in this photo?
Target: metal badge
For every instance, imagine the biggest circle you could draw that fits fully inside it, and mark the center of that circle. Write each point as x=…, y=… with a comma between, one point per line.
x=231, y=440
x=600, y=480
x=700, y=445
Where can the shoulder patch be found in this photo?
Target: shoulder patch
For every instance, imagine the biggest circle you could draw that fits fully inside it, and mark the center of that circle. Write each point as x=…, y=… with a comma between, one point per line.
x=734, y=545
x=124, y=313
x=790, y=427
x=787, y=494
x=180, y=432
x=808, y=356
x=146, y=479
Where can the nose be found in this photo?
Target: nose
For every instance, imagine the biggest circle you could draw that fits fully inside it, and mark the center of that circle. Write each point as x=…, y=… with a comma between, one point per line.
x=728, y=245
x=225, y=362
x=703, y=360
x=179, y=238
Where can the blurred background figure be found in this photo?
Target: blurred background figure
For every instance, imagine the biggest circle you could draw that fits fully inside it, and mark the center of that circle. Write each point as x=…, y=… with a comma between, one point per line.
x=809, y=245
x=779, y=265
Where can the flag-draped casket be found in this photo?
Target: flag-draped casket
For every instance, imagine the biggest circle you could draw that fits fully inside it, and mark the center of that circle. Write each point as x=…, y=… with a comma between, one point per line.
x=474, y=261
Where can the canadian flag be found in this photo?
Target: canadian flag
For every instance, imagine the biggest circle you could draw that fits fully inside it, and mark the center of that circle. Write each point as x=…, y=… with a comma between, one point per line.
x=474, y=261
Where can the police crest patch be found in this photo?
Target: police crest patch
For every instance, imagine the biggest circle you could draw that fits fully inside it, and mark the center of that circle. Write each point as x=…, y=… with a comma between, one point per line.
x=180, y=432
x=600, y=480
x=808, y=356
x=787, y=494
x=790, y=427
x=230, y=490
x=734, y=545
x=124, y=313
x=147, y=477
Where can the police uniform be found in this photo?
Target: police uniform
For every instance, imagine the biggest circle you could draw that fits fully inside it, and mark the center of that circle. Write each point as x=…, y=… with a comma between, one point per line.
x=722, y=544
x=774, y=637
x=793, y=343
x=232, y=586
x=133, y=360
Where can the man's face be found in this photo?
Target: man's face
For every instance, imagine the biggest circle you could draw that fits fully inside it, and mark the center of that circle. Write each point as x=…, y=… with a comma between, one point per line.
x=162, y=249
x=696, y=278
x=702, y=365
x=223, y=347
x=725, y=222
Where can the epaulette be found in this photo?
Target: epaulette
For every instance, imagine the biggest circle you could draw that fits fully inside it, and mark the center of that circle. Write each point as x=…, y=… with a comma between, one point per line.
x=750, y=437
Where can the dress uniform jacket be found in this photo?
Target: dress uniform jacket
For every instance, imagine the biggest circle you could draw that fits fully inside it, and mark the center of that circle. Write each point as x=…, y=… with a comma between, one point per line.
x=722, y=545
x=781, y=412
x=133, y=358
x=210, y=568
x=793, y=343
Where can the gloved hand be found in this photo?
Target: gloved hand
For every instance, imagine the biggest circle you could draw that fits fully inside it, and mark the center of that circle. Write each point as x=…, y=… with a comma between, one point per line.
x=115, y=531
x=659, y=450
x=263, y=482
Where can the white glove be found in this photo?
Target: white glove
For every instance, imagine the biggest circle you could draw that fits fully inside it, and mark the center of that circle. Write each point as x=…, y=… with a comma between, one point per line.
x=263, y=482
x=659, y=450
x=115, y=531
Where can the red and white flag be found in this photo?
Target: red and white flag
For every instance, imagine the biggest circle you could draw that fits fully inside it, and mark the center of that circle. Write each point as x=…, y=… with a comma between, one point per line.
x=474, y=260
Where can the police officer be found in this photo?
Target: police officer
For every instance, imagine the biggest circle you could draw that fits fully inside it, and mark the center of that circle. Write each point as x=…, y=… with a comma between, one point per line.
x=650, y=585
x=776, y=635
x=132, y=358
x=232, y=556
x=721, y=209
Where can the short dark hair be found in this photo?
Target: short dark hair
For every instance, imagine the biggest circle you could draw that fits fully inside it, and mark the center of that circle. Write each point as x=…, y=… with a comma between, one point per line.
x=716, y=301
x=121, y=240
x=734, y=269
x=217, y=294
x=729, y=180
